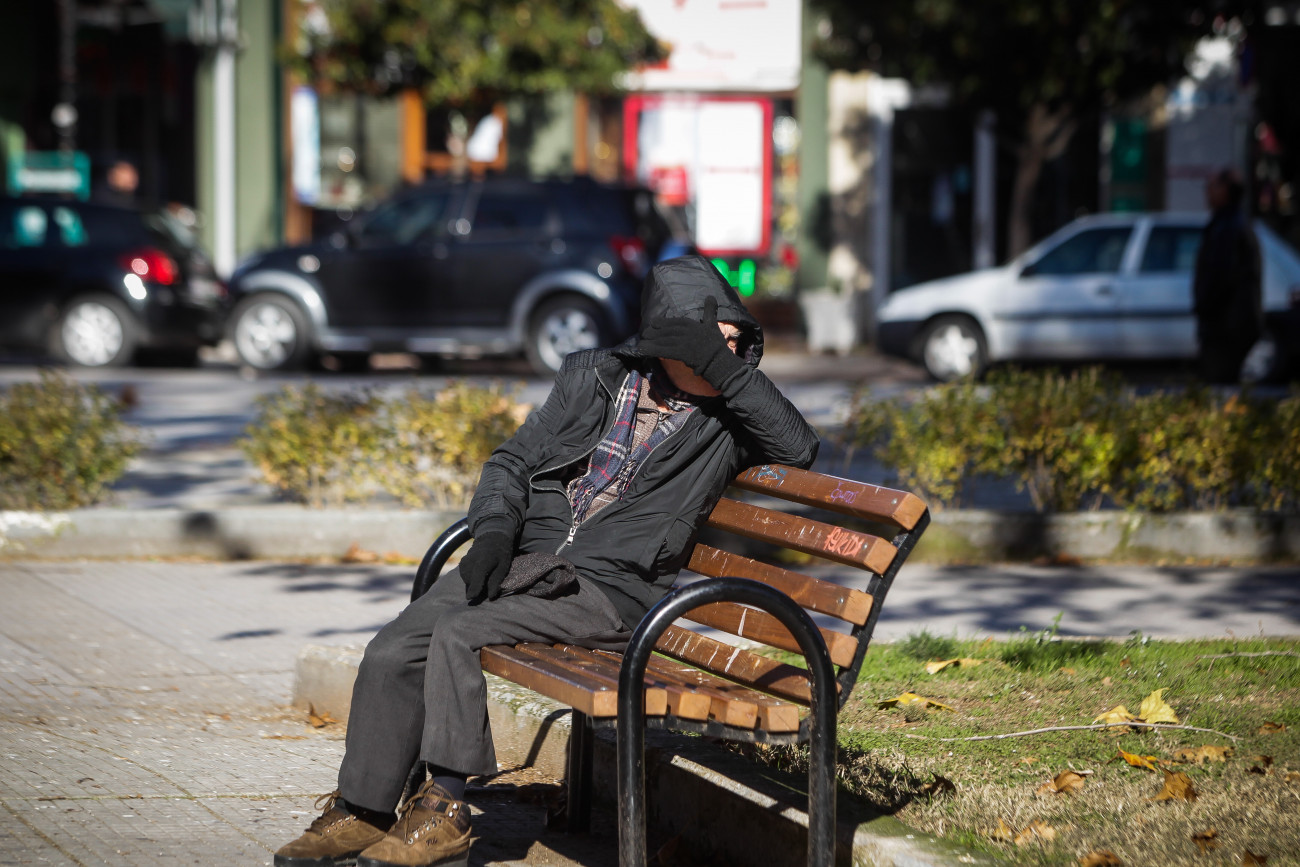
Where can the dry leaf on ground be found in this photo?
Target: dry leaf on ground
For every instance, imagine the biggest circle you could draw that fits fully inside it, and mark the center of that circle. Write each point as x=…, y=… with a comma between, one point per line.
x=1068, y=671
x=356, y=554
x=1293, y=776
x=1205, y=840
x=1263, y=760
x=938, y=786
x=1270, y=728
x=1250, y=859
x=1036, y=831
x=1118, y=715
x=935, y=666
x=912, y=698
x=1027, y=760
x=1100, y=858
x=1155, y=710
x=1178, y=787
x=1201, y=755
x=319, y=720
x=1148, y=762
x=1002, y=833
x=1063, y=783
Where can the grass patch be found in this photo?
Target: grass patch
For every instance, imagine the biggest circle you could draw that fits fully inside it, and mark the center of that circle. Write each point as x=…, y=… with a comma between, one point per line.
x=1251, y=801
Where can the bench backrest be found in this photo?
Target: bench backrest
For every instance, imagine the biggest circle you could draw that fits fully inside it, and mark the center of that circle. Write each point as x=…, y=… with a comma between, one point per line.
x=898, y=516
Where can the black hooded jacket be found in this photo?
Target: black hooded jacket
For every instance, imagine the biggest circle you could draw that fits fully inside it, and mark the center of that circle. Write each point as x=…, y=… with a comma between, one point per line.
x=634, y=548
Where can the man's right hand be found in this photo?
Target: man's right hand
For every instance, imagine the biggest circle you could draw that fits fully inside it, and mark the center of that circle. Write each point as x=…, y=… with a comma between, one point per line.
x=486, y=565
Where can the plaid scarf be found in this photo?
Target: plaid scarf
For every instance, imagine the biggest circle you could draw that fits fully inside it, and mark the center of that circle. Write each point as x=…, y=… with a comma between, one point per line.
x=615, y=460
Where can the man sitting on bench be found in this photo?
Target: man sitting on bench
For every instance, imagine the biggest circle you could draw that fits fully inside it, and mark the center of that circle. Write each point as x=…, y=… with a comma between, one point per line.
x=581, y=522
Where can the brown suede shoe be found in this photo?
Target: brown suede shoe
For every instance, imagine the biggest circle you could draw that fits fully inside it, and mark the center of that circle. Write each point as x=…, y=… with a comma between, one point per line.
x=334, y=839
x=431, y=828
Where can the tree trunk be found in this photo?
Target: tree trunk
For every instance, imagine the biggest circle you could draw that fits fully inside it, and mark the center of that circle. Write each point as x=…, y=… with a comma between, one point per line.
x=1047, y=133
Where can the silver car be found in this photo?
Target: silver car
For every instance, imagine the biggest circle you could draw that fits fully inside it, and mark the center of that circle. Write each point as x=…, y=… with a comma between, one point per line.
x=1110, y=286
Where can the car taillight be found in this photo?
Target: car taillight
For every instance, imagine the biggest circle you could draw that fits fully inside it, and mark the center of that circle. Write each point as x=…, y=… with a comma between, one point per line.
x=152, y=264
x=631, y=252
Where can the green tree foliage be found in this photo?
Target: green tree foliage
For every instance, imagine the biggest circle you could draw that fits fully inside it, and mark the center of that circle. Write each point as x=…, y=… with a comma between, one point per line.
x=469, y=55
x=1040, y=65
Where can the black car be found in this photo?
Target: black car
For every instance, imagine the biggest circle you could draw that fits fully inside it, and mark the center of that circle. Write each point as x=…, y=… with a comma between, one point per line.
x=495, y=266
x=92, y=283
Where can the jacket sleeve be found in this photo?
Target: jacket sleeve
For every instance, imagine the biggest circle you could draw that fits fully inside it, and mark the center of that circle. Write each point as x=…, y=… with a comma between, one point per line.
x=776, y=432
x=501, y=498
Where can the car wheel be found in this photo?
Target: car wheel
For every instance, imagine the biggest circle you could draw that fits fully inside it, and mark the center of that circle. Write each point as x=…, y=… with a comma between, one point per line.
x=952, y=347
x=269, y=333
x=561, y=326
x=95, y=331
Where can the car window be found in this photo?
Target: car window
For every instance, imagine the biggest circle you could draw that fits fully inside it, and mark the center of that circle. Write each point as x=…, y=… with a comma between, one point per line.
x=405, y=221
x=1171, y=249
x=72, y=231
x=1092, y=251
x=522, y=212
x=22, y=226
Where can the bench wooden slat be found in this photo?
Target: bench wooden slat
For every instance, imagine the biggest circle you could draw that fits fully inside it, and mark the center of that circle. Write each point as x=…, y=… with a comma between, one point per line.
x=803, y=534
x=814, y=594
x=759, y=626
x=682, y=701
x=730, y=704
x=768, y=713
x=845, y=496
x=580, y=663
x=763, y=674
x=557, y=683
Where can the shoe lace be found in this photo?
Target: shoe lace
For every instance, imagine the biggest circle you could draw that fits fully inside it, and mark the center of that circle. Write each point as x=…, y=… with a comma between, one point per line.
x=325, y=803
x=404, y=812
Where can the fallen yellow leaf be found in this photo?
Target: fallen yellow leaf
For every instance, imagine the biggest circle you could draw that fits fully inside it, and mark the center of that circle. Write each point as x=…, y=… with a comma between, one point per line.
x=1036, y=831
x=1178, y=787
x=1205, y=840
x=1069, y=671
x=1270, y=728
x=1062, y=784
x=1250, y=859
x=1118, y=715
x=1002, y=833
x=1100, y=858
x=1137, y=761
x=912, y=698
x=1027, y=760
x=1155, y=710
x=1293, y=776
x=937, y=665
x=1201, y=755
x=319, y=720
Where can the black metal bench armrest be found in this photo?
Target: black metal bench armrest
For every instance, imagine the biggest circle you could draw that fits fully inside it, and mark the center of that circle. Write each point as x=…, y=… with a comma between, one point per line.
x=438, y=555
x=631, y=709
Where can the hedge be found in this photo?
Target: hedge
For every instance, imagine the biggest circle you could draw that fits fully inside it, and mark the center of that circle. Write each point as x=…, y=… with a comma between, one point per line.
x=1084, y=440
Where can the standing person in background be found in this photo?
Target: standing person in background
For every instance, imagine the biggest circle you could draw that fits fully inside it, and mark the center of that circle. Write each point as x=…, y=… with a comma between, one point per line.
x=1226, y=284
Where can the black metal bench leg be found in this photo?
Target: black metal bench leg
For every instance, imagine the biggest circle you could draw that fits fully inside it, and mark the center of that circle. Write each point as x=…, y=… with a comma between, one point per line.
x=578, y=804
x=632, y=723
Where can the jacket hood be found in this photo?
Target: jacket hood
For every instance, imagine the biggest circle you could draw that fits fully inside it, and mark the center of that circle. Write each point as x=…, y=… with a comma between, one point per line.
x=677, y=289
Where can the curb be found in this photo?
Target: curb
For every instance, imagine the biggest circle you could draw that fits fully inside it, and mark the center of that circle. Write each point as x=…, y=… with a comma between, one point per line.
x=955, y=536
x=726, y=808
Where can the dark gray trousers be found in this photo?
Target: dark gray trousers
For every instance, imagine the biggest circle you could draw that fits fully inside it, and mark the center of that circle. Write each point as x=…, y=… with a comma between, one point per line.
x=420, y=693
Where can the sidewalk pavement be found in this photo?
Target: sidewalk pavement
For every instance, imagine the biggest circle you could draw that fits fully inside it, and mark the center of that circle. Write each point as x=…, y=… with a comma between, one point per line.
x=143, y=716
x=143, y=705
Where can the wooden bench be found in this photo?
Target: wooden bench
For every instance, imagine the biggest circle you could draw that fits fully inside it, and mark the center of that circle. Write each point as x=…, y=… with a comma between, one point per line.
x=691, y=682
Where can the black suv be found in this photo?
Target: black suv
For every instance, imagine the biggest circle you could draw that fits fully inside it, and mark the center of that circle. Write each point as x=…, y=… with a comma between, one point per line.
x=496, y=266
x=92, y=283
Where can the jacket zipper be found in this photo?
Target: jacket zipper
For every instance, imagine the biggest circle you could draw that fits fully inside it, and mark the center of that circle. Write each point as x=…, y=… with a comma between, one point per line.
x=573, y=529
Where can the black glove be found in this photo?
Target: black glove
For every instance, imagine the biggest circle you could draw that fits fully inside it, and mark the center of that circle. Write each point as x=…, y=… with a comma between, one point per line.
x=485, y=566
x=700, y=345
